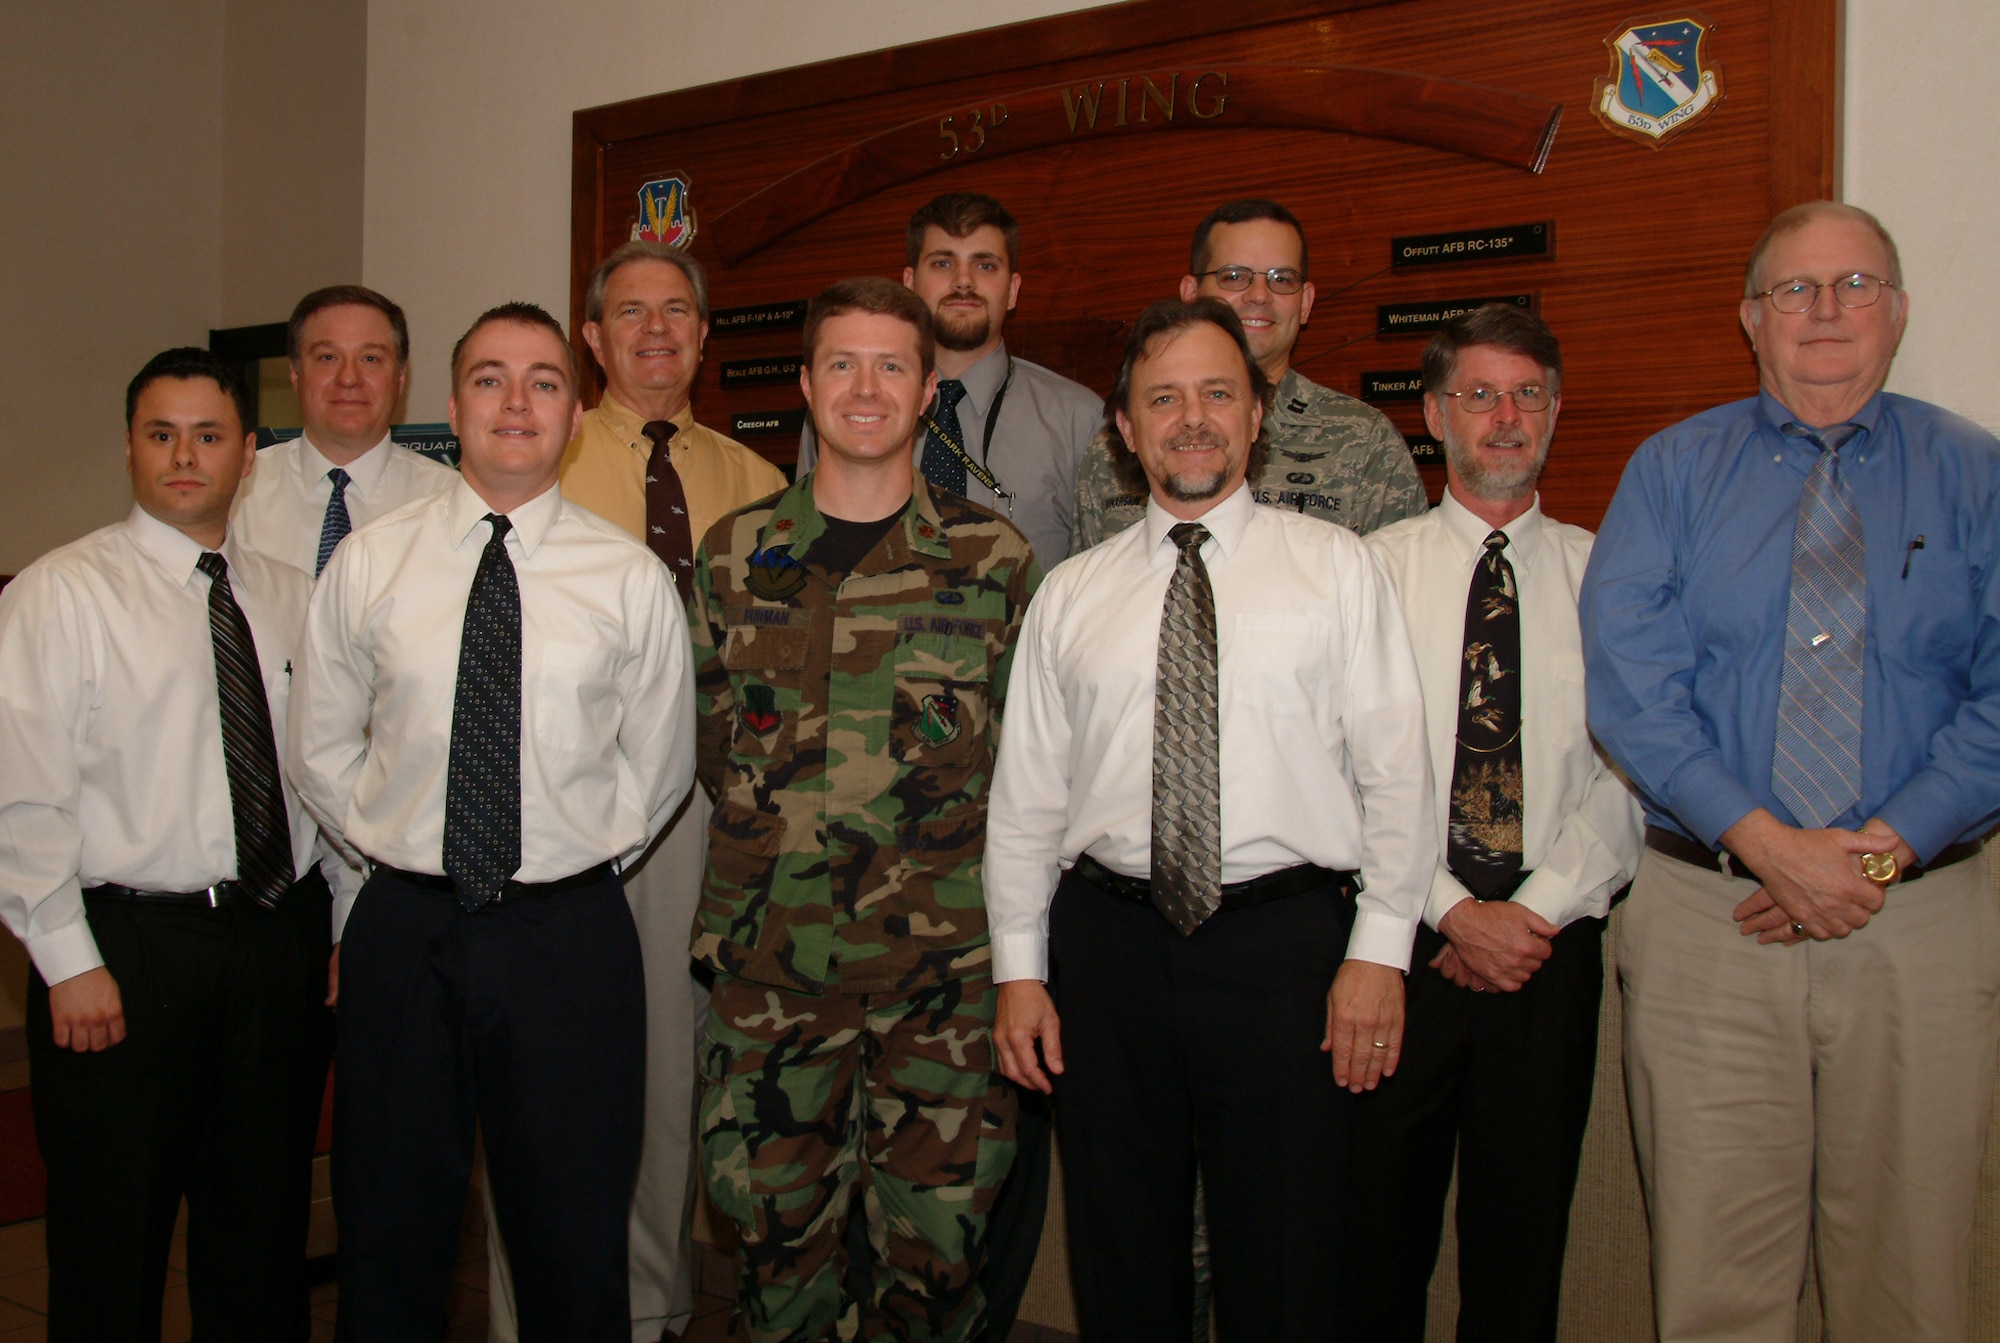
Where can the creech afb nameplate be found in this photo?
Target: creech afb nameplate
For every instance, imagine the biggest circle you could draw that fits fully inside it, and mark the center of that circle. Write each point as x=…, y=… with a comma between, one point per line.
x=1502, y=243
x=1425, y=450
x=758, y=317
x=757, y=372
x=758, y=422
x=1405, y=319
x=1400, y=384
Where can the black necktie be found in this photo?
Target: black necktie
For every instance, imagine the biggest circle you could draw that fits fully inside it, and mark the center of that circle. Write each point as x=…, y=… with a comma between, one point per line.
x=668, y=531
x=482, y=792
x=1484, y=848
x=263, y=832
x=1187, y=745
x=943, y=467
x=336, y=524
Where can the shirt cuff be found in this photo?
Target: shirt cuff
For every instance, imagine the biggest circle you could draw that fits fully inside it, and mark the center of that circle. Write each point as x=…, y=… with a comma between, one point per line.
x=1928, y=817
x=65, y=952
x=1446, y=891
x=1554, y=899
x=1709, y=799
x=1020, y=956
x=1382, y=938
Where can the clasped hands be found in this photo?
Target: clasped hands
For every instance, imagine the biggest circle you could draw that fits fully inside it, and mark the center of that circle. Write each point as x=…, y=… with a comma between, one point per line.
x=1812, y=882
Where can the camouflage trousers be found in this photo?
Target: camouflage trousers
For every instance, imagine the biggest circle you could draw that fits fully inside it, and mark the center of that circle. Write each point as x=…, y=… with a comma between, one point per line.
x=810, y=1102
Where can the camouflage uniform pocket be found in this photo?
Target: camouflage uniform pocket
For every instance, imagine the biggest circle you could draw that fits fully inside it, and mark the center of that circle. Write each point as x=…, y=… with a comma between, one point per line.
x=941, y=711
x=766, y=665
x=743, y=846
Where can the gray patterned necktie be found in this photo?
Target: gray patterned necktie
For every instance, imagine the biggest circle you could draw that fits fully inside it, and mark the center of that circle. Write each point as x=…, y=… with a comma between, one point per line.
x=1816, y=761
x=482, y=791
x=249, y=750
x=1187, y=749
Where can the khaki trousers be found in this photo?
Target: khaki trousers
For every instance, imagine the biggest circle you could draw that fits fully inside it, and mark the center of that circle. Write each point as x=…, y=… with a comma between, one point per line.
x=663, y=890
x=1834, y=1089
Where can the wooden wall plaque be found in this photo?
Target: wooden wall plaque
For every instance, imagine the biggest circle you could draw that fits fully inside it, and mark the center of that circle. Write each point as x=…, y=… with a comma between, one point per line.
x=1110, y=133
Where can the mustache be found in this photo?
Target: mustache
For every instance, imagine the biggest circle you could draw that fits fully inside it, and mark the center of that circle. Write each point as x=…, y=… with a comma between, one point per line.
x=1201, y=437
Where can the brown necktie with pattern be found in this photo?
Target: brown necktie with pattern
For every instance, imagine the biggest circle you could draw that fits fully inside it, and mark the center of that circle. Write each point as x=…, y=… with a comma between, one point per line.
x=1187, y=745
x=668, y=530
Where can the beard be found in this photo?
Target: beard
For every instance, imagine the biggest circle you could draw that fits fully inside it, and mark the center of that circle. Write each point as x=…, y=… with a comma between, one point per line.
x=958, y=330
x=1189, y=487
x=1499, y=481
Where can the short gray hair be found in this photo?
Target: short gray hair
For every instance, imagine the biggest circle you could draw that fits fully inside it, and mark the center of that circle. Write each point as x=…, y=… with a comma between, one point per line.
x=1796, y=218
x=600, y=279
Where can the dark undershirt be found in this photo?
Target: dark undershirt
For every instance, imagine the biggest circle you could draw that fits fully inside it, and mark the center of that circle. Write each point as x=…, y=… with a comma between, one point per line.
x=845, y=544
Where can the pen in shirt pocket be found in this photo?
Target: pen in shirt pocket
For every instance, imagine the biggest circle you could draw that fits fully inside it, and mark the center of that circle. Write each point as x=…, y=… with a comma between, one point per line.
x=1911, y=553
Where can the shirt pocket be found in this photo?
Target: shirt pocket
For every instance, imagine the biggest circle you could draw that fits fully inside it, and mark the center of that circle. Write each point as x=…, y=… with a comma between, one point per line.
x=571, y=697
x=766, y=666
x=942, y=707
x=1935, y=608
x=1276, y=661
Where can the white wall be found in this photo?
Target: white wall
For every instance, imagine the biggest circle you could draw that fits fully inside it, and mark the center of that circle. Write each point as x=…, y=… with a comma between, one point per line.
x=110, y=210
x=1923, y=152
x=469, y=105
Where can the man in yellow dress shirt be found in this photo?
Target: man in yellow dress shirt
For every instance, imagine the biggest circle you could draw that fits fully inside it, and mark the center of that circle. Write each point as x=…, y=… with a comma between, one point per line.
x=646, y=320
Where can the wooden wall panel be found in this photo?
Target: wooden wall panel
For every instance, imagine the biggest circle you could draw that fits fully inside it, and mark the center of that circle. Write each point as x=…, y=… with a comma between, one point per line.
x=1649, y=243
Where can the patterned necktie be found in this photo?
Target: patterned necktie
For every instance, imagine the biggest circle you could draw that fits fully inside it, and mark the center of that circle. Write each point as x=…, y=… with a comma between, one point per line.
x=482, y=791
x=943, y=467
x=263, y=831
x=1483, y=847
x=668, y=530
x=337, y=524
x=1816, y=765
x=1187, y=749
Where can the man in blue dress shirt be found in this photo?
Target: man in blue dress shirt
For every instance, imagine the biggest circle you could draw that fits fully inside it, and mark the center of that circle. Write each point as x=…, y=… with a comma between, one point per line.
x=1792, y=630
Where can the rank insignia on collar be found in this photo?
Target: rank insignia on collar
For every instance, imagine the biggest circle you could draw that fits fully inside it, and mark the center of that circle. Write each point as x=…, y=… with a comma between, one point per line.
x=782, y=525
x=773, y=574
x=664, y=213
x=760, y=710
x=1296, y=405
x=1661, y=82
x=938, y=722
x=926, y=531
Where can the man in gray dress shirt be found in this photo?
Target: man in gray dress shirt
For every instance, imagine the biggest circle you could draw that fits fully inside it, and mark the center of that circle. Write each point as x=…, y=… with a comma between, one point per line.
x=964, y=255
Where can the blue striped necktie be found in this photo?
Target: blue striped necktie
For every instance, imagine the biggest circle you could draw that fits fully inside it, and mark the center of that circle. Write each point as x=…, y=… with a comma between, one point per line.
x=337, y=524
x=1816, y=763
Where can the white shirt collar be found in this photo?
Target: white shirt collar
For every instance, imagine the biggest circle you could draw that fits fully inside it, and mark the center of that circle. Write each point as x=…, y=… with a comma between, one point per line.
x=364, y=471
x=1468, y=531
x=532, y=521
x=169, y=547
x=1227, y=519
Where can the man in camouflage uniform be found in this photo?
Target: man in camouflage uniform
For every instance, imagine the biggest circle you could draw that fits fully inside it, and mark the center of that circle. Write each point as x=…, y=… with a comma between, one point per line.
x=1329, y=455
x=852, y=641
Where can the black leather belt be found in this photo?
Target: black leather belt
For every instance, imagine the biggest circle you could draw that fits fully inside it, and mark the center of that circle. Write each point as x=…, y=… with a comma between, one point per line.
x=214, y=897
x=1280, y=885
x=513, y=890
x=1729, y=865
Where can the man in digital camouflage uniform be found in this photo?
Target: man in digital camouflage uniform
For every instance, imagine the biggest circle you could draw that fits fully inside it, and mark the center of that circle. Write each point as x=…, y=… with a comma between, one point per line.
x=852, y=643
x=1329, y=454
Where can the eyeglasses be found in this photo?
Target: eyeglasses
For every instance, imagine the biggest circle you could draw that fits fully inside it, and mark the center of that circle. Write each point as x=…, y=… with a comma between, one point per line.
x=1485, y=400
x=1282, y=279
x=1850, y=291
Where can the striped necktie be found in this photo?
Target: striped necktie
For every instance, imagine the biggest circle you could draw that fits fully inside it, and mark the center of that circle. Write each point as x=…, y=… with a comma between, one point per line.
x=337, y=524
x=256, y=801
x=1816, y=762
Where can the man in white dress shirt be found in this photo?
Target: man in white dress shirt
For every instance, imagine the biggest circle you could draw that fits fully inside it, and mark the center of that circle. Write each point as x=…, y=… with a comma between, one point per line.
x=1537, y=832
x=177, y=1027
x=1211, y=835
x=494, y=708
x=350, y=353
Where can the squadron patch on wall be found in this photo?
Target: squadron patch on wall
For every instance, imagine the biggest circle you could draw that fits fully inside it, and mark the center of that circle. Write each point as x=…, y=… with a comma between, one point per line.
x=665, y=215
x=1662, y=80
